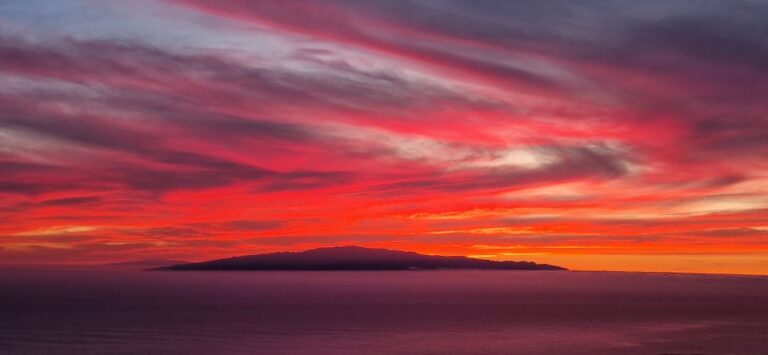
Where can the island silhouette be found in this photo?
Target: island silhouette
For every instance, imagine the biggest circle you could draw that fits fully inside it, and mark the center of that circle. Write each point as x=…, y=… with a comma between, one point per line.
x=355, y=258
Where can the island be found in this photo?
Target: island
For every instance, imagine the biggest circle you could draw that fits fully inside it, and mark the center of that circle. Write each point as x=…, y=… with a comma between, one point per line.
x=355, y=258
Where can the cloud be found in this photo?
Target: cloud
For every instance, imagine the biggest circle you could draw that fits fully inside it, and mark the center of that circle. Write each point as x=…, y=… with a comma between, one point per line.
x=633, y=127
x=562, y=164
x=70, y=201
x=649, y=58
x=57, y=230
x=253, y=225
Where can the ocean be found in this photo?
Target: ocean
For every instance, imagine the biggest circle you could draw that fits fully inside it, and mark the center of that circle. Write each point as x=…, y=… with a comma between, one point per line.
x=124, y=310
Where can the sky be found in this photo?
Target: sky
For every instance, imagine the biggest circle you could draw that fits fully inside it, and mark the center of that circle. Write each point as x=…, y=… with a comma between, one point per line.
x=595, y=135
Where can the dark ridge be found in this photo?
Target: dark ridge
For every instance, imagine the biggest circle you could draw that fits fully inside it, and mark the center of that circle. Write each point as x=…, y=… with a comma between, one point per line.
x=356, y=258
x=150, y=262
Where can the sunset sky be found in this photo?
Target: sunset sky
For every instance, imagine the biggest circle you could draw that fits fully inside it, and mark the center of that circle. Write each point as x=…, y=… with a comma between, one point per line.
x=595, y=135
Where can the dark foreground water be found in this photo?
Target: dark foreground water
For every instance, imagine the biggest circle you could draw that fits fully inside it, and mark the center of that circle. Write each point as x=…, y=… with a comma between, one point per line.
x=123, y=310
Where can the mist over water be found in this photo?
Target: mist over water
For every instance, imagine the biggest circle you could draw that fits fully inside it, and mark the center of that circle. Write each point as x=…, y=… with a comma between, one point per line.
x=126, y=310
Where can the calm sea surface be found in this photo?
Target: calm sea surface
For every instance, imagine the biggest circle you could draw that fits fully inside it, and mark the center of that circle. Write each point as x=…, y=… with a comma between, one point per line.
x=125, y=310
